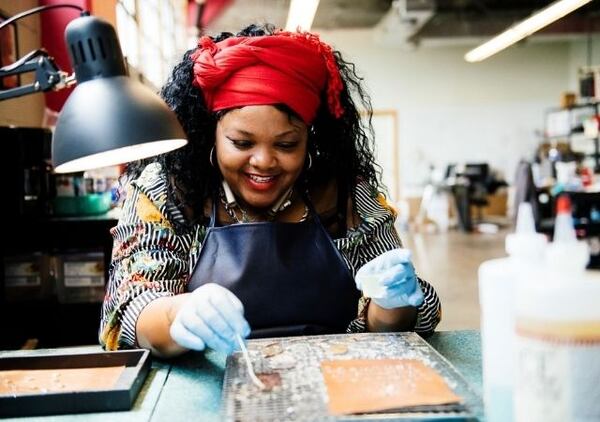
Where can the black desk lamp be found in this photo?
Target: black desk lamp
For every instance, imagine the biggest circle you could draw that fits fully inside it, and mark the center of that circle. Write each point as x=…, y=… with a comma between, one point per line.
x=109, y=118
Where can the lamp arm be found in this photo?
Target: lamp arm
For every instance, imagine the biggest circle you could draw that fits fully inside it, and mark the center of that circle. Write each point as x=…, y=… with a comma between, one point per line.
x=47, y=75
x=42, y=9
x=32, y=54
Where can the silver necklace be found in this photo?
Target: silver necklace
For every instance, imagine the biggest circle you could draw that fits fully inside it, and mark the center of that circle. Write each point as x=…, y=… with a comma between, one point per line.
x=230, y=204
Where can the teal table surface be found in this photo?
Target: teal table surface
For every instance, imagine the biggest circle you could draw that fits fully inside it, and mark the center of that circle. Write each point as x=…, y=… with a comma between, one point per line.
x=189, y=387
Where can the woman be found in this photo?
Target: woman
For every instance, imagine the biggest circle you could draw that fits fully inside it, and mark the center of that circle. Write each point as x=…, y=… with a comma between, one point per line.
x=259, y=225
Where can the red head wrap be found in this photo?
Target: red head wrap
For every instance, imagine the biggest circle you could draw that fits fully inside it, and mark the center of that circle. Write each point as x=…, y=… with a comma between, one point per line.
x=284, y=68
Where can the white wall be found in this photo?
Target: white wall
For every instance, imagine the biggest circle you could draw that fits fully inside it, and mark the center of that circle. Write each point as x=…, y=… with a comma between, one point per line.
x=453, y=111
x=579, y=57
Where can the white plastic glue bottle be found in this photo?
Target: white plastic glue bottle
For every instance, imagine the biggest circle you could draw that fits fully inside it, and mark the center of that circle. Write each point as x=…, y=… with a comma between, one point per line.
x=558, y=334
x=497, y=281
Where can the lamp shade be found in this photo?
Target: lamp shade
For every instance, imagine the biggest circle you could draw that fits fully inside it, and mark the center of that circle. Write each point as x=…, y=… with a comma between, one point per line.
x=109, y=118
x=110, y=121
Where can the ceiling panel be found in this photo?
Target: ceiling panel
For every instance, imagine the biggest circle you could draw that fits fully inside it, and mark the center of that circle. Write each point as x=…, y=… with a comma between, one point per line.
x=448, y=18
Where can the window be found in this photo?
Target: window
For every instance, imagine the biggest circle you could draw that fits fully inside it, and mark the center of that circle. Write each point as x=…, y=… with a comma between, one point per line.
x=152, y=34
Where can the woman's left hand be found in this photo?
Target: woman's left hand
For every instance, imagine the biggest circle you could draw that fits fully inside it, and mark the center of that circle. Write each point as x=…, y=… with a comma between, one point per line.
x=390, y=280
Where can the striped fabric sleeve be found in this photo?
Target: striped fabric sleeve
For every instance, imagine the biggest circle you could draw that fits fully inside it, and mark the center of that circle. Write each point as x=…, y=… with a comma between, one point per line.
x=149, y=259
x=375, y=235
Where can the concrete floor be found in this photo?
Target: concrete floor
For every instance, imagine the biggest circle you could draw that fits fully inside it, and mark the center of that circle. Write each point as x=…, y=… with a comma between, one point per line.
x=449, y=261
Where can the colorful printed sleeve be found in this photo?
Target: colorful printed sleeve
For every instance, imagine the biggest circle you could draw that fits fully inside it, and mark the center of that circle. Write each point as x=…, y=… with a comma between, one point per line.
x=149, y=259
x=375, y=235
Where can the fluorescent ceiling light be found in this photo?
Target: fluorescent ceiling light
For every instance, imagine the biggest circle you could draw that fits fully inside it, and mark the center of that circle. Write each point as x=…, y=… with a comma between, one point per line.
x=523, y=29
x=301, y=15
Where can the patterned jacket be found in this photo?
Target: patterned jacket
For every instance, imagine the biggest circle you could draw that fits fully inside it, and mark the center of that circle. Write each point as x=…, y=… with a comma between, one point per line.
x=153, y=257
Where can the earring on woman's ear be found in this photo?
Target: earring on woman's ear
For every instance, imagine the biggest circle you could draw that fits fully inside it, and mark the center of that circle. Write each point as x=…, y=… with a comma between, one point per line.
x=309, y=161
x=210, y=156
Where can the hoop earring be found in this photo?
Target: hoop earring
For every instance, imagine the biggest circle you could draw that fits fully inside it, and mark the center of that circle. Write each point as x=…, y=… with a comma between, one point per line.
x=210, y=156
x=309, y=161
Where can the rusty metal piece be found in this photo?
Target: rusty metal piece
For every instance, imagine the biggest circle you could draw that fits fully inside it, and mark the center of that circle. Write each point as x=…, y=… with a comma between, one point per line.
x=338, y=348
x=270, y=380
x=283, y=360
x=272, y=349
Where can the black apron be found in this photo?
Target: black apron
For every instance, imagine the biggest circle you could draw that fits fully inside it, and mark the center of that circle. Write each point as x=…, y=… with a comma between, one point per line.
x=290, y=277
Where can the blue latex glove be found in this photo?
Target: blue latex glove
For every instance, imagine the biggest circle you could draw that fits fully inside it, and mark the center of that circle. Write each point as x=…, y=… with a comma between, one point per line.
x=390, y=280
x=211, y=317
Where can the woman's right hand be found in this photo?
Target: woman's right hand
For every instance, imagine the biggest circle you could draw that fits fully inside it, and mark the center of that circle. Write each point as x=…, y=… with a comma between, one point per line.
x=211, y=317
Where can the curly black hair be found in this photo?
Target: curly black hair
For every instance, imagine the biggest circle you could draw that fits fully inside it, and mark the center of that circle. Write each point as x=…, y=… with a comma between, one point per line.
x=341, y=148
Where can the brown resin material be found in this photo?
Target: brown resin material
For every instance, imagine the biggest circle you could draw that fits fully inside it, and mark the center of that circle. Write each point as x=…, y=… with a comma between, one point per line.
x=372, y=385
x=39, y=381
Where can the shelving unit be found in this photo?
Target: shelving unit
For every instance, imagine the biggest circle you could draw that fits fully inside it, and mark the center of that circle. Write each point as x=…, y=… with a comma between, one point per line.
x=567, y=124
x=51, y=322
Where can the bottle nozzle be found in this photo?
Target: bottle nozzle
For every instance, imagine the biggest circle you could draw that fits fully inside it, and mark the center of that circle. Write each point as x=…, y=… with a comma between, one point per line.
x=525, y=241
x=563, y=205
x=566, y=253
x=564, y=231
x=525, y=221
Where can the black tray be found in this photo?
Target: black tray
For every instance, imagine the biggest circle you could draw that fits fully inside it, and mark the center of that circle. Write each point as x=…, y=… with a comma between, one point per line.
x=120, y=397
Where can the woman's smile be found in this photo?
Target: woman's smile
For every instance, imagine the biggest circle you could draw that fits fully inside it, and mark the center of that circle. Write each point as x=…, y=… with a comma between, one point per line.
x=259, y=182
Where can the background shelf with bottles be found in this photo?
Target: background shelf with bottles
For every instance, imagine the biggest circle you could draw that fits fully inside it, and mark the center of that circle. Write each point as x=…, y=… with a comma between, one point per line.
x=578, y=125
x=570, y=160
x=57, y=245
